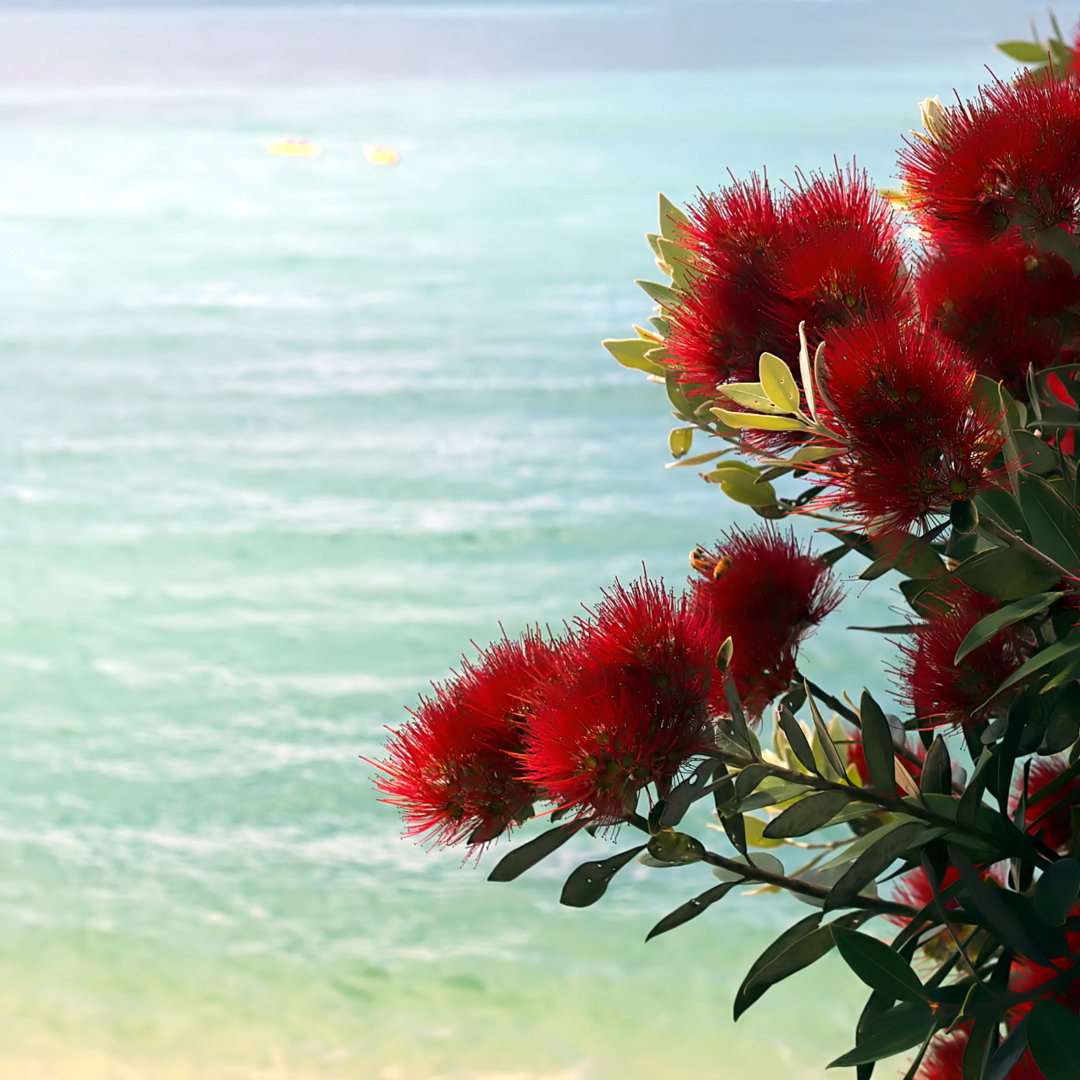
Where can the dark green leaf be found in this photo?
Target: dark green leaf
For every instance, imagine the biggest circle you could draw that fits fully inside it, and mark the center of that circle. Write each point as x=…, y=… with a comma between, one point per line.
x=963, y=516
x=796, y=738
x=590, y=880
x=898, y=1029
x=1007, y=915
x=1008, y=1053
x=828, y=747
x=516, y=862
x=999, y=505
x=740, y=730
x=749, y=778
x=1053, y=1037
x=1067, y=648
x=879, y=966
x=1054, y=523
x=937, y=769
x=1006, y=574
x=797, y=948
x=691, y=909
x=872, y=862
x=1056, y=891
x=680, y=797
x=987, y=628
x=877, y=745
x=981, y=1043
x=675, y=848
x=808, y=814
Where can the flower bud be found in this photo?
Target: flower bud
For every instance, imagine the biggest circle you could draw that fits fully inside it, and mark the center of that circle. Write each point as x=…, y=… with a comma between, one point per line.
x=935, y=119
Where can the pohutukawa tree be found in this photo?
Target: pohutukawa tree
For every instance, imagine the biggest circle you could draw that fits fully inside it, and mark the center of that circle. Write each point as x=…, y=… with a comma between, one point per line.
x=900, y=369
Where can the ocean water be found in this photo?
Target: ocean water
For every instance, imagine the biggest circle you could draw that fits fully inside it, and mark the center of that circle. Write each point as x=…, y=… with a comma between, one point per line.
x=280, y=438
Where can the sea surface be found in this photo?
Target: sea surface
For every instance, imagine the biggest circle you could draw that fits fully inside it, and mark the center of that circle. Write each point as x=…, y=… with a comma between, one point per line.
x=281, y=437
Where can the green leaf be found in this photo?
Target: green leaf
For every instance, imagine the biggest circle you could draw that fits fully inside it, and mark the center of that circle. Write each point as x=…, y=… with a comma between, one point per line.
x=691, y=909
x=1026, y=52
x=895, y=1030
x=872, y=862
x=778, y=382
x=877, y=745
x=680, y=440
x=1067, y=647
x=704, y=779
x=963, y=516
x=985, y=629
x=752, y=396
x=880, y=967
x=1009, y=916
x=936, y=775
x=1006, y=574
x=671, y=217
x=806, y=815
x=664, y=296
x=828, y=746
x=796, y=738
x=676, y=848
x=757, y=421
x=796, y=948
x=740, y=483
x=1008, y=1053
x=677, y=260
x=516, y=862
x=1056, y=892
x=630, y=352
x=590, y=880
x=981, y=1041
x=1053, y=1038
x=1054, y=524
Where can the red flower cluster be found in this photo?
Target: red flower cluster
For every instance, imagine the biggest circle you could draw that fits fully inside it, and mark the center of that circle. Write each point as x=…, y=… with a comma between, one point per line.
x=901, y=394
x=1010, y=159
x=940, y=691
x=826, y=252
x=621, y=702
x=765, y=592
x=1004, y=303
x=455, y=769
x=629, y=705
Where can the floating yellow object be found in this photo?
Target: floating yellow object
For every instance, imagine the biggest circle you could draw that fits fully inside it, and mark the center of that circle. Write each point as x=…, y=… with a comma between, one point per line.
x=293, y=146
x=380, y=155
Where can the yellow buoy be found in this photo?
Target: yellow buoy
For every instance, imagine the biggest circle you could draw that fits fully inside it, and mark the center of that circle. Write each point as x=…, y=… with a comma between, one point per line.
x=293, y=146
x=380, y=155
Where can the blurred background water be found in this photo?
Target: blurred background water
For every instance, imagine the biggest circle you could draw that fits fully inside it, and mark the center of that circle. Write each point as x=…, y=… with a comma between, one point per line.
x=281, y=436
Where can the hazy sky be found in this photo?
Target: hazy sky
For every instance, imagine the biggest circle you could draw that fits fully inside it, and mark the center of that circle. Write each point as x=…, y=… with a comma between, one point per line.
x=86, y=43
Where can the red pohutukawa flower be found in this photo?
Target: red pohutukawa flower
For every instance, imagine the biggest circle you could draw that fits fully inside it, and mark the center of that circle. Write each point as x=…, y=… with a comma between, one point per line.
x=940, y=691
x=1053, y=812
x=455, y=769
x=840, y=259
x=1010, y=158
x=629, y=705
x=916, y=442
x=720, y=328
x=827, y=252
x=1003, y=303
x=766, y=593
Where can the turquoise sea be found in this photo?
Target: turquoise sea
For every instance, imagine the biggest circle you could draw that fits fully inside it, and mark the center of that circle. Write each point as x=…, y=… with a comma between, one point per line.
x=282, y=436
